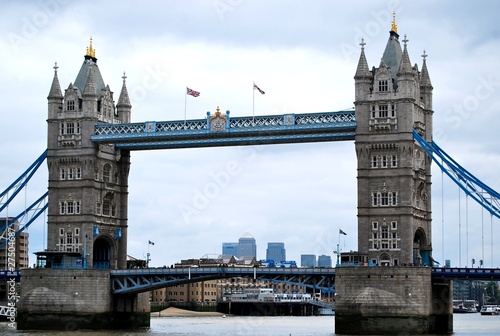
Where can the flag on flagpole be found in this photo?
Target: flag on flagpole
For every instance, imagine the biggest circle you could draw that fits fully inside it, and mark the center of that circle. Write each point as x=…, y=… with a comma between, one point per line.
x=342, y=232
x=150, y=242
x=192, y=92
x=256, y=87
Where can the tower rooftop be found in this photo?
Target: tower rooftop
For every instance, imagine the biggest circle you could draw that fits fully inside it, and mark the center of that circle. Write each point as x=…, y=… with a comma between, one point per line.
x=89, y=62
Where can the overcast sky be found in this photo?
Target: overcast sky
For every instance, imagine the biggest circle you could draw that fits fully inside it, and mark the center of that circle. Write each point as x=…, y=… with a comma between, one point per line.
x=303, y=54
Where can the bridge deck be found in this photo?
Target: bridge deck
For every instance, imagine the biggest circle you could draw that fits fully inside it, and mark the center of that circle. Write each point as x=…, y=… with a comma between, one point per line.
x=141, y=280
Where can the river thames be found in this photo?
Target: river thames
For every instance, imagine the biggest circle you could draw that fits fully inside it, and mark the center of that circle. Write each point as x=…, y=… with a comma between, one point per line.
x=464, y=324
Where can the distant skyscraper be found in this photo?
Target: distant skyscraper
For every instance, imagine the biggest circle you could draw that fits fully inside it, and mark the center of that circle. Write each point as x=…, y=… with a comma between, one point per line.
x=324, y=261
x=247, y=246
x=230, y=248
x=276, y=252
x=308, y=260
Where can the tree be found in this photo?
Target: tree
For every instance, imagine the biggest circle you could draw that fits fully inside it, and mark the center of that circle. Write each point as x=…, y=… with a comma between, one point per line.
x=492, y=292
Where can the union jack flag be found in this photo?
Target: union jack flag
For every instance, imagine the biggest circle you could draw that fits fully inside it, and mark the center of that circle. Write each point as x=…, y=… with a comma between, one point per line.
x=192, y=92
x=258, y=88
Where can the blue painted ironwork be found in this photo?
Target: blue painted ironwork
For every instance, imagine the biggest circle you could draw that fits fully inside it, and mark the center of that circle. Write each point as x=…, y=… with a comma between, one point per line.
x=20, y=182
x=467, y=273
x=142, y=280
x=472, y=186
x=240, y=131
x=146, y=279
x=28, y=216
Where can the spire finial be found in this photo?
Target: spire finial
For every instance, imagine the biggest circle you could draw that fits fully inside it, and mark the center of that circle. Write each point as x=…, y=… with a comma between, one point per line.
x=405, y=40
x=394, y=26
x=424, y=55
x=124, y=77
x=362, y=44
x=55, y=67
x=217, y=111
x=90, y=50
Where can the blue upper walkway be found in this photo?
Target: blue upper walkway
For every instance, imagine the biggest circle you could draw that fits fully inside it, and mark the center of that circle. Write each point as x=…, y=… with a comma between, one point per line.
x=224, y=130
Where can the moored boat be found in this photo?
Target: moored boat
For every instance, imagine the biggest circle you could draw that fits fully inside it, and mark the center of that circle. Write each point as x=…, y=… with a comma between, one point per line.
x=490, y=310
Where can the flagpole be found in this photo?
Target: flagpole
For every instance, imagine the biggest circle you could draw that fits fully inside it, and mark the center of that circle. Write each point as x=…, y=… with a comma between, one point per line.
x=338, y=251
x=253, y=104
x=185, y=104
x=147, y=257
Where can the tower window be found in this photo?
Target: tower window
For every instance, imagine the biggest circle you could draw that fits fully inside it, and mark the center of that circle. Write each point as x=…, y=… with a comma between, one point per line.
x=106, y=173
x=383, y=111
x=374, y=161
x=384, y=198
x=374, y=225
x=393, y=111
x=394, y=198
x=70, y=128
x=62, y=207
x=382, y=85
x=373, y=111
x=70, y=208
x=384, y=161
x=374, y=199
x=394, y=161
x=70, y=105
x=385, y=233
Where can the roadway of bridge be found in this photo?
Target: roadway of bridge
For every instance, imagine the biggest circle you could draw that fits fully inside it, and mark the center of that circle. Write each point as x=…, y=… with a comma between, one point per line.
x=140, y=280
x=146, y=279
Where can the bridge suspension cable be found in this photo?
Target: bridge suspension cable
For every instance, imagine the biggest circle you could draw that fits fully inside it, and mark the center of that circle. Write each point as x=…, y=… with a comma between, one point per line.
x=28, y=216
x=488, y=198
x=20, y=182
x=31, y=213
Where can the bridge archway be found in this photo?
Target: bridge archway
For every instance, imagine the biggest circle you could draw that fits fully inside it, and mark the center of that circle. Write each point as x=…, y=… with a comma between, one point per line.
x=102, y=253
x=421, y=254
x=385, y=259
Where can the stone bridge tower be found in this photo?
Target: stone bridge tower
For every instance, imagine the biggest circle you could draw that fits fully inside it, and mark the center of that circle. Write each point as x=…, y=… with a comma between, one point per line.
x=88, y=183
x=394, y=176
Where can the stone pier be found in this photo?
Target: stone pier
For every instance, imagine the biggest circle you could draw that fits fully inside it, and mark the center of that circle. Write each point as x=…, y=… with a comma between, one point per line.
x=64, y=299
x=392, y=301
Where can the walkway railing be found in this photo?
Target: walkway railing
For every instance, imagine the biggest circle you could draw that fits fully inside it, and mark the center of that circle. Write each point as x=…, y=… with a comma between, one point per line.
x=237, y=131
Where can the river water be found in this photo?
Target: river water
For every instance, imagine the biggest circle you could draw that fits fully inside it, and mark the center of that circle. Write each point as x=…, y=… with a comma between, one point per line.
x=464, y=324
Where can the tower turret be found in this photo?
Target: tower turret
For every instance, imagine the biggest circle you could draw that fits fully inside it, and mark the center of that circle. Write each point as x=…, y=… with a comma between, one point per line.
x=89, y=96
x=363, y=78
x=55, y=98
x=123, y=107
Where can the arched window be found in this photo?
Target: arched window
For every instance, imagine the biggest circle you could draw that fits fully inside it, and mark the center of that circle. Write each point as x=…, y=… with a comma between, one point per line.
x=106, y=173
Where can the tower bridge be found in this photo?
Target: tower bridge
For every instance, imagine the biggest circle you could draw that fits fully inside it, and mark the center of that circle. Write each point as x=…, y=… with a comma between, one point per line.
x=83, y=271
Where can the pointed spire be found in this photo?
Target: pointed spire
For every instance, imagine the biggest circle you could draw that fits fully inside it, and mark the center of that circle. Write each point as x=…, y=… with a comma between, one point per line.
x=90, y=88
x=362, y=71
x=405, y=66
x=425, y=79
x=124, y=100
x=55, y=89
